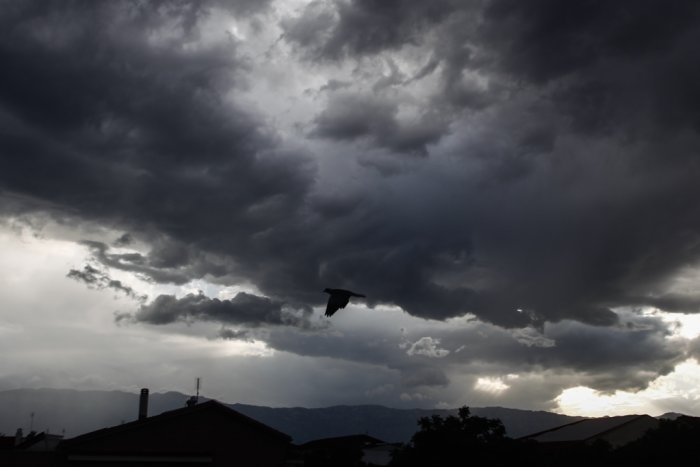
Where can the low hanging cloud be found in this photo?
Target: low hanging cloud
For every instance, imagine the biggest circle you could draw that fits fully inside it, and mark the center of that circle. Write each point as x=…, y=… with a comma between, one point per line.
x=424, y=376
x=98, y=279
x=168, y=261
x=243, y=309
x=232, y=334
x=428, y=347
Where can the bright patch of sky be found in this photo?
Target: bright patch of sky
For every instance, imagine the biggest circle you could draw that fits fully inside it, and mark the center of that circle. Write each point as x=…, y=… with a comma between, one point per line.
x=682, y=384
x=491, y=385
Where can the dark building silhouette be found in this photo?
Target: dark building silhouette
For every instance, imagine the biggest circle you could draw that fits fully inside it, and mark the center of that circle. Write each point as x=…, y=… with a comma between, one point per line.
x=33, y=450
x=206, y=434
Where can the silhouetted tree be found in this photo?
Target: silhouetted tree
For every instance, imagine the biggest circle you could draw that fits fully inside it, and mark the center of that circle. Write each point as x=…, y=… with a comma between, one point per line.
x=465, y=440
x=457, y=440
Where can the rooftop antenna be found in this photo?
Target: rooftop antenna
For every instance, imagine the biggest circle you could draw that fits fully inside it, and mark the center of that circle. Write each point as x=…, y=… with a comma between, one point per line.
x=194, y=399
x=31, y=422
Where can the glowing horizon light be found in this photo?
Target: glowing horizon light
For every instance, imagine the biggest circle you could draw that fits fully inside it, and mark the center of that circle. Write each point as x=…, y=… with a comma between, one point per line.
x=681, y=384
x=586, y=402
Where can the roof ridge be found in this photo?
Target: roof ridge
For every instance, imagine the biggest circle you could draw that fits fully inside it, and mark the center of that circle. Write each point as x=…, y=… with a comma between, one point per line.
x=532, y=435
x=616, y=427
x=170, y=414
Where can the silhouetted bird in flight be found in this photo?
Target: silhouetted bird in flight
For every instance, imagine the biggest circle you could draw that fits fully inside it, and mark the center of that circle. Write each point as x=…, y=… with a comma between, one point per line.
x=338, y=299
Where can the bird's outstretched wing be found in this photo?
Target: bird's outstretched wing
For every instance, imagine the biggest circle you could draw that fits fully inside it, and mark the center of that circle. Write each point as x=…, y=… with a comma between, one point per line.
x=335, y=302
x=338, y=298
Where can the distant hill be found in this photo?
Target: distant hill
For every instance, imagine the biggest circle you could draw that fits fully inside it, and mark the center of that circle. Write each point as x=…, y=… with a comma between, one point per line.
x=78, y=412
x=670, y=416
x=385, y=423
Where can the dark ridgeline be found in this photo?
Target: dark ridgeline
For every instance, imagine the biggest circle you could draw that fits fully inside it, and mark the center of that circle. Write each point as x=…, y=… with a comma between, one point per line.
x=386, y=423
x=211, y=433
x=79, y=412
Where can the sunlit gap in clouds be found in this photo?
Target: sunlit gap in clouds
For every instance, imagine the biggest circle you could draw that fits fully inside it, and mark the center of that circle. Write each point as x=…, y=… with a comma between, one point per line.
x=493, y=385
x=682, y=325
x=682, y=383
x=220, y=347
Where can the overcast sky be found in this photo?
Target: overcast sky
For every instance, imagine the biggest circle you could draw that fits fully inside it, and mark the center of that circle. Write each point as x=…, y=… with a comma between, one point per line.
x=513, y=186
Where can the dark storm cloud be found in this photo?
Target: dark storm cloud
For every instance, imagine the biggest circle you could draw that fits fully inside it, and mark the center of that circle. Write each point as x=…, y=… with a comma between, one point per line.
x=243, y=7
x=624, y=70
x=605, y=218
x=244, y=309
x=156, y=270
x=333, y=30
x=357, y=117
x=336, y=30
x=547, y=39
x=591, y=50
x=565, y=186
x=98, y=106
x=107, y=117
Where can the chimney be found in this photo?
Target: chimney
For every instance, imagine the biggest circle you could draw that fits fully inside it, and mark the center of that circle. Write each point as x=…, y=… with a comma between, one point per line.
x=143, y=404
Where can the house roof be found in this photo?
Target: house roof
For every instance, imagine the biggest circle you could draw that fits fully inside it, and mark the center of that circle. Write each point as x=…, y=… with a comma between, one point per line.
x=165, y=417
x=34, y=438
x=617, y=430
